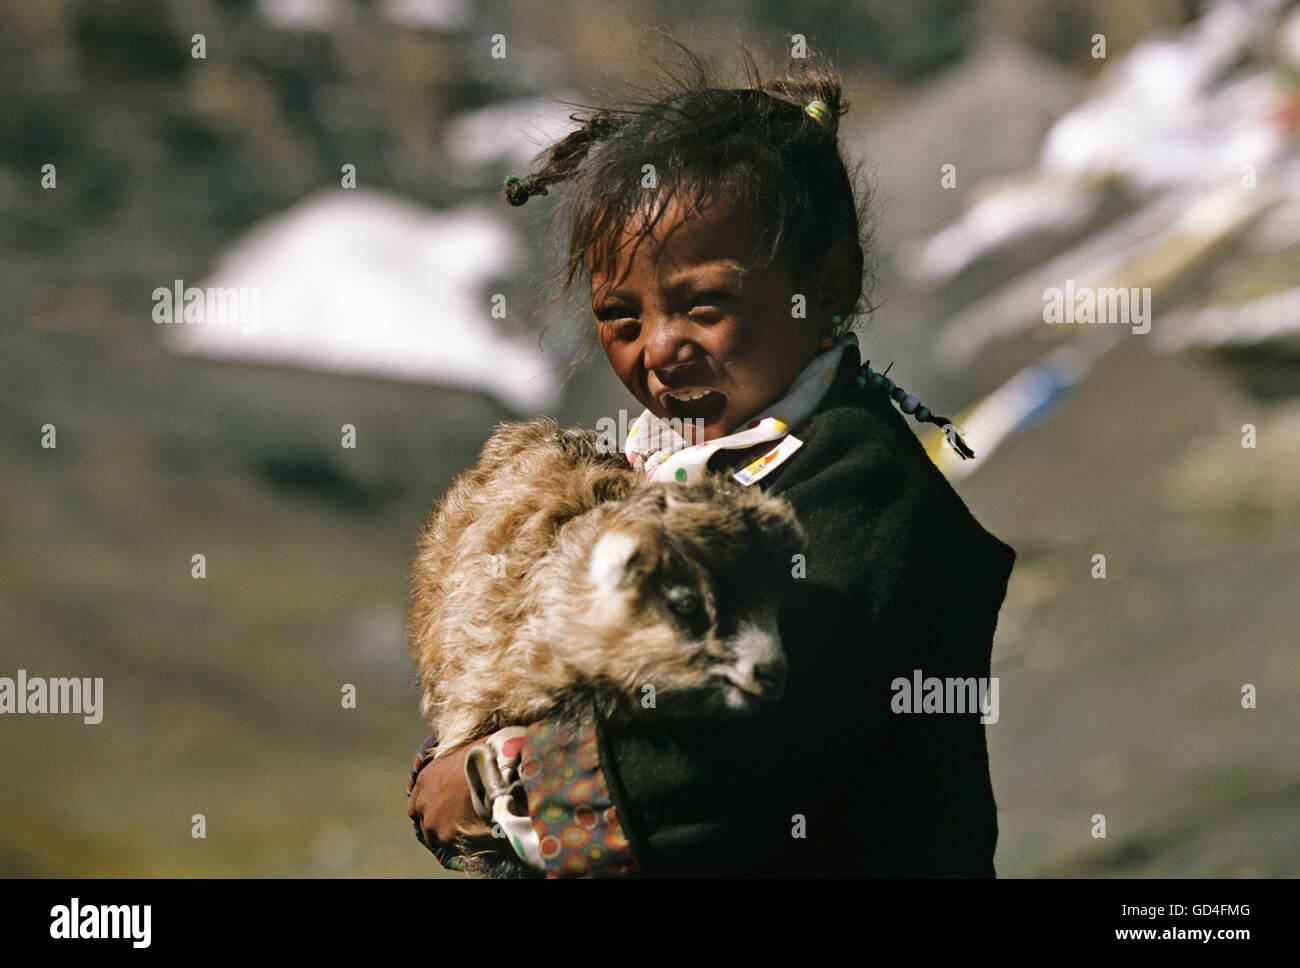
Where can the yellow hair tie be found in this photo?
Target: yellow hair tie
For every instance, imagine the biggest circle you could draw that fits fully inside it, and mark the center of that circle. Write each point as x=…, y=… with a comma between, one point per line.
x=821, y=113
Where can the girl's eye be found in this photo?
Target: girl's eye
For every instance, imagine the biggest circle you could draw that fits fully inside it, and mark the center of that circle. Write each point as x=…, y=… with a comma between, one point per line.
x=611, y=314
x=712, y=298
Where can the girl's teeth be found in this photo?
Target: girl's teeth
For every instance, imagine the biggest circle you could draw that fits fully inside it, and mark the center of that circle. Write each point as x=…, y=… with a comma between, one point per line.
x=692, y=396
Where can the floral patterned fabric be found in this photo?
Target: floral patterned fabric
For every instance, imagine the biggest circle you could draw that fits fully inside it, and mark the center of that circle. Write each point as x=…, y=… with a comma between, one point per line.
x=578, y=830
x=574, y=831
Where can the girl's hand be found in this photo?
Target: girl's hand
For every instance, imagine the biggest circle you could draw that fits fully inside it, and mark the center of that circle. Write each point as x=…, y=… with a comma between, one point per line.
x=440, y=802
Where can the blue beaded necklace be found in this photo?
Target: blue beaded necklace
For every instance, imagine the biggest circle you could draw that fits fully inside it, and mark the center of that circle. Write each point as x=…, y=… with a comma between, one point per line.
x=911, y=404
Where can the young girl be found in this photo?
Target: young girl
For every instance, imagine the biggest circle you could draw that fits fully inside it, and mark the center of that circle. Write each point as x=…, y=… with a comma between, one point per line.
x=724, y=279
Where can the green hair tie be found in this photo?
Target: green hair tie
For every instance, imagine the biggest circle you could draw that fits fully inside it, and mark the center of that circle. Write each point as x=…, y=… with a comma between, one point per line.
x=820, y=112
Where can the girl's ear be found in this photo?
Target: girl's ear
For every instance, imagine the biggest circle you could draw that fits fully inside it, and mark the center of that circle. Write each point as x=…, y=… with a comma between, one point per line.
x=839, y=279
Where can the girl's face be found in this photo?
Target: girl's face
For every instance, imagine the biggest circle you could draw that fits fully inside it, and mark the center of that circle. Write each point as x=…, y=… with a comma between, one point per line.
x=689, y=337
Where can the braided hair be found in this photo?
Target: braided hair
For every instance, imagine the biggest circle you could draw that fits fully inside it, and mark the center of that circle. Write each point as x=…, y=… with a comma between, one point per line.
x=563, y=158
x=760, y=145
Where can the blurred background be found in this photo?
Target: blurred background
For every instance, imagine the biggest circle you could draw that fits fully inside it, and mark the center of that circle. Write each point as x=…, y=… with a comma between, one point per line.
x=1170, y=163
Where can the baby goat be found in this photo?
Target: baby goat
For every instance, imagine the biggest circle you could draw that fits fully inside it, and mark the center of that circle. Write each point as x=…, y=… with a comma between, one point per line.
x=552, y=583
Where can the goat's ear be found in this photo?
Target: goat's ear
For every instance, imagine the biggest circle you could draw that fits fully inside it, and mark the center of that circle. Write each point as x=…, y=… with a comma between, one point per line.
x=777, y=518
x=616, y=554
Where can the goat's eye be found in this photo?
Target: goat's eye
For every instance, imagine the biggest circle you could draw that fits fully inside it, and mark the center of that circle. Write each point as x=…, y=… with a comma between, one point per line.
x=683, y=600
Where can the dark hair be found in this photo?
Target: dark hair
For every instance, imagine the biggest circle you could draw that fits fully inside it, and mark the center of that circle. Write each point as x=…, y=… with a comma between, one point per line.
x=754, y=145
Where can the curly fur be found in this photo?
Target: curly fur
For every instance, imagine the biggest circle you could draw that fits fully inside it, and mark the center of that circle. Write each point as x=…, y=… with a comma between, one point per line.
x=551, y=583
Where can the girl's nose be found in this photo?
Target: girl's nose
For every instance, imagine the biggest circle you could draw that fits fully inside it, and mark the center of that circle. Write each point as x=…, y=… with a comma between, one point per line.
x=667, y=343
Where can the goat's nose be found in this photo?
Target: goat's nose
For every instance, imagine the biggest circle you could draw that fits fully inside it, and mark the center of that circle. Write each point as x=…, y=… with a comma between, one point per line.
x=771, y=676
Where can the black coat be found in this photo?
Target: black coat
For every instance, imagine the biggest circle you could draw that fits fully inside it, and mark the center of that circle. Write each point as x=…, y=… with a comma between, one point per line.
x=900, y=577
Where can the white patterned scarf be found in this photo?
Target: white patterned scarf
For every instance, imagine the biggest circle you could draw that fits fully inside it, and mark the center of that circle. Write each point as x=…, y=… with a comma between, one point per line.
x=668, y=456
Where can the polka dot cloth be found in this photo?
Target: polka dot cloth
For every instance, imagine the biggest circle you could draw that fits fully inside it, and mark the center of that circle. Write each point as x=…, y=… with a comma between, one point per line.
x=505, y=813
x=667, y=456
x=578, y=830
x=508, y=809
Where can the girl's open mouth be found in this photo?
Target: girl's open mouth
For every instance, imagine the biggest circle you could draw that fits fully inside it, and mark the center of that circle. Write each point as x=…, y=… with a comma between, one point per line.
x=695, y=404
